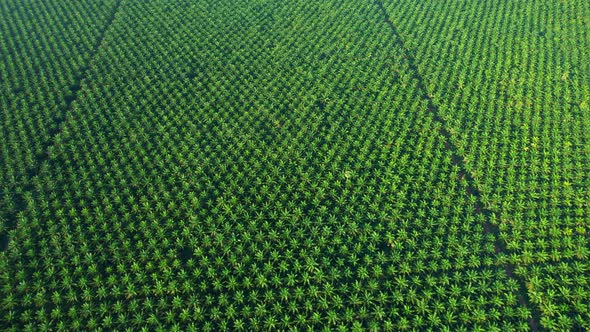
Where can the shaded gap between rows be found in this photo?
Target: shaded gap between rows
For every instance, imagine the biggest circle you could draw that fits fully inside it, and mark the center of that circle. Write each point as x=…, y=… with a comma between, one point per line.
x=70, y=97
x=457, y=160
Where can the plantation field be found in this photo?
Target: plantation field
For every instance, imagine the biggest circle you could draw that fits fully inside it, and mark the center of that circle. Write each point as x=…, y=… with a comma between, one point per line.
x=295, y=165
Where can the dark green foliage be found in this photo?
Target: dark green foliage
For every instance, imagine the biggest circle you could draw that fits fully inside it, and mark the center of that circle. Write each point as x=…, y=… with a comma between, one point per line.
x=249, y=165
x=45, y=48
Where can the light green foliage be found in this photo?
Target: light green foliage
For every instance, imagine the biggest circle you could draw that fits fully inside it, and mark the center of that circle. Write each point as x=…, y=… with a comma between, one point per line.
x=511, y=78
